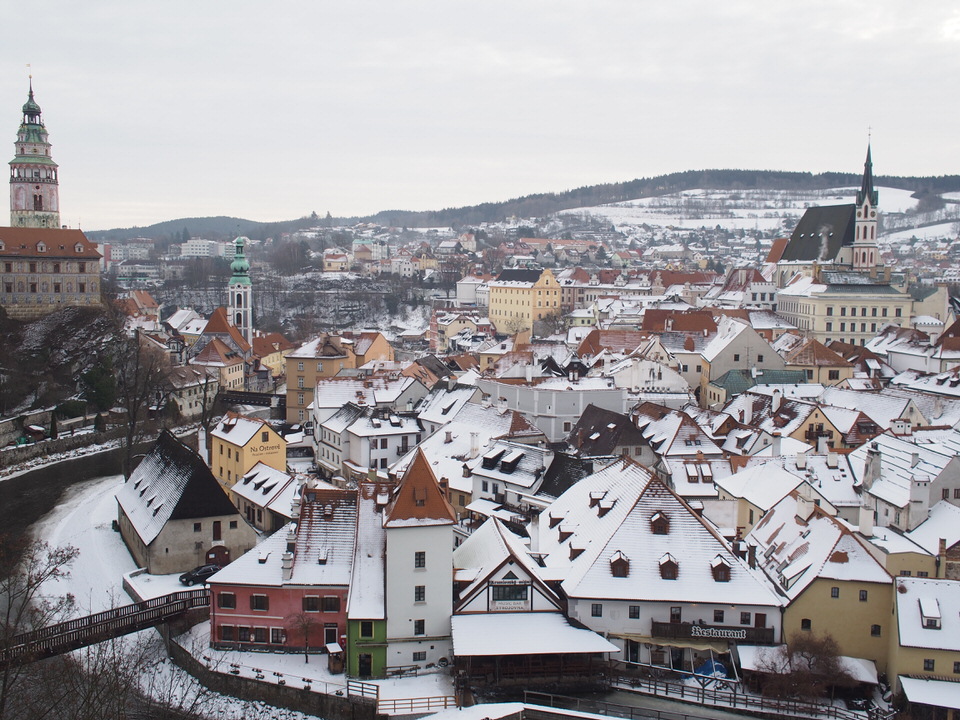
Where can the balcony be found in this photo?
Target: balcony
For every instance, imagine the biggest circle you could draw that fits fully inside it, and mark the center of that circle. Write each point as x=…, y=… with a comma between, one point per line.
x=697, y=631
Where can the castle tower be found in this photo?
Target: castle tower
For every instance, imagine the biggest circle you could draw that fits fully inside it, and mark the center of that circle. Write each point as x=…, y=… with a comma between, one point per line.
x=34, y=190
x=866, y=253
x=240, y=293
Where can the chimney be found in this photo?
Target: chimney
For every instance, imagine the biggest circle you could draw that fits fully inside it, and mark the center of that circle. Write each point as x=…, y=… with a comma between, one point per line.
x=752, y=555
x=448, y=437
x=748, y=412
x=914, y=459
x=865, y=521
x=528, y=373
x=871, y=466
x=668, y=324
x=466, y=470
x=286, y=566
x=451, y=382
x=777, y=449
x=474, y=444
x=822, y=445
x=801, y=461
x=804, y=508
x=291, y=540
x=919, y=506
x=776, y=400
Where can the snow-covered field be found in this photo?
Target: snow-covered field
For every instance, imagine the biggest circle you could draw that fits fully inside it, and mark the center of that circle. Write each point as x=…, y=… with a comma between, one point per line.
x=762, y=210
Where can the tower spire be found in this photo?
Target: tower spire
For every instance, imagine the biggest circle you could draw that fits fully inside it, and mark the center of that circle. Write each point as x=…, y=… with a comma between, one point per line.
x=34, y=186
x=240, y=292
x=867, y=192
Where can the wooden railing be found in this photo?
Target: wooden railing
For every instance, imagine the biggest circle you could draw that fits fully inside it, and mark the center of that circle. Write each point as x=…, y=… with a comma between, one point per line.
x=733, y=700
x=409, y=706
x=72, y=634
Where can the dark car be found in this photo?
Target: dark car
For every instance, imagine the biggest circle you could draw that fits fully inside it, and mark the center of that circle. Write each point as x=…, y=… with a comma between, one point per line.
x=198, y=575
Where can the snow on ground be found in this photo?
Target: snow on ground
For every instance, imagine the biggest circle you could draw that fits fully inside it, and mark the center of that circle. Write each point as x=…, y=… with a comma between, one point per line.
x=296, y=672
x=84, y=519
x=927, y=232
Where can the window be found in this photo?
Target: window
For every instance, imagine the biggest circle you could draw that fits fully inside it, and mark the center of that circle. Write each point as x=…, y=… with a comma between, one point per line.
x=699, y=368
x=419, y=627
x=264, y=436
x=736, y=357
x=675, y=614
x=945, y=494
x=718, y=616
x=259, y=602
x=805, y=624
x=567, y=426
x=863, y=596
x=226, y=632
x=898, y=312
x=508, y=593
x=905, y=573
x=833, y=374
x=260, y=635
x=197, y=527
x=331, y=603
x=276, y=636
x=420, y=656
x=875, y=630
x=311, y=603
x=843, y=327
x=366, y=628
x=596, y=610
x=233, y=524
x=956, y=493
x=634, y=612
x=226, y=601
x=843, y=312
x=956, y=668
x=928, y=664
x=745, y=618
x=759, y=358
x=420, y=593
x=834, y=592
x=420, y=559
x=300, y=366
x=830, y=310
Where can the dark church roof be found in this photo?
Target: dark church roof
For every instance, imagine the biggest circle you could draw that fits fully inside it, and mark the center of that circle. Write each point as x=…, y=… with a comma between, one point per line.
x=821, y=232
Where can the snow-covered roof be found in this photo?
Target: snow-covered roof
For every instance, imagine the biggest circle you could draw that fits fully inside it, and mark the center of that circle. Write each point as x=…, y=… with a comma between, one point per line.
x=684, y=538
x=928, y=613
x=762, y=485
x=943, y=521
x=798, y=542
x=929, y=691
x=239, y=430
x=530, y=633
x=368, y=587
x=171, y=483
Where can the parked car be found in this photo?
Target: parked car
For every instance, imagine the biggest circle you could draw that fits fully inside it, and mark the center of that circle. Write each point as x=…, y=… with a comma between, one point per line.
x=198, y=575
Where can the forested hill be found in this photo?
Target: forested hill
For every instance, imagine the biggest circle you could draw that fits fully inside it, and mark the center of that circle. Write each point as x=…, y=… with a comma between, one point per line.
x=543, y=204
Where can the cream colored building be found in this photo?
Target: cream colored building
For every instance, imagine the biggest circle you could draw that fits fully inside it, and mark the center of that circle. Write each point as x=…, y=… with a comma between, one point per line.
x=519, y=298
x=238, y=443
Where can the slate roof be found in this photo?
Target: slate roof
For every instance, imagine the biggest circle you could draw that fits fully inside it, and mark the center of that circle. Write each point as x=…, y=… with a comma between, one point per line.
x=519, y=276
x=600, y=432
x=821, y=232
x=172, y=482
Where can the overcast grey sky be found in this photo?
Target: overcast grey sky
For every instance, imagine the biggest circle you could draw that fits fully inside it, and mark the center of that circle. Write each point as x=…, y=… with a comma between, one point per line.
x=271, y=110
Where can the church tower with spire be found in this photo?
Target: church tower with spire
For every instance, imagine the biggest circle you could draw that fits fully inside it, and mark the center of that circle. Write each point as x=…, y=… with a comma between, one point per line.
x=866, y=252
x=34, y=189
x=240, y=292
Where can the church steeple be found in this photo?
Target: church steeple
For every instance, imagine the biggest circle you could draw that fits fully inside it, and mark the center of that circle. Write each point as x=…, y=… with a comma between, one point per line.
x=866, y=253
x=34, y=187
x=240, y=292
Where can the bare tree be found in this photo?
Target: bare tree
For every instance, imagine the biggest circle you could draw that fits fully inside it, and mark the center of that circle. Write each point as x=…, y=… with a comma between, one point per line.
x=141, y=370
x=25, y=566
x=808, y=666
x=303, y=623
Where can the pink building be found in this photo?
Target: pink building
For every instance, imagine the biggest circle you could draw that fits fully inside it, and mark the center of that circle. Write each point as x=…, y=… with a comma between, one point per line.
x=290, y=591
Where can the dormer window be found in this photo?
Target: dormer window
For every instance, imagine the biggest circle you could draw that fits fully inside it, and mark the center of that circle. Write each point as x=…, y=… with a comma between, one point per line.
x=720, y=569
x=619, y=565
x=669, y=567
x=565, y=530
x=660, y=524
x=930, y=613
x=41, y=247
x=78, y=248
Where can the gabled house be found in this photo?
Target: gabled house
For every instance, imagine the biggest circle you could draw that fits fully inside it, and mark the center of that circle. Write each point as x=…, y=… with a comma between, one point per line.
x=832, y=583
x=418, y=525
x=173, y=515
x=819, y=363
x=238, y=443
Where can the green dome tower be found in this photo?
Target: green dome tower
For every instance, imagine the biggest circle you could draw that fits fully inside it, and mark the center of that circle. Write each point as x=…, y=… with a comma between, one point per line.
x=34, y=188
x=240, y=292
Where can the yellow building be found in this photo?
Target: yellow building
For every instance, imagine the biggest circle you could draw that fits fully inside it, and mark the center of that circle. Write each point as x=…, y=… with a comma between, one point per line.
x=925, y=644
x=519, y=298
x=832, y=583
x=238, y=443
x=324, y=357
x=227, y=361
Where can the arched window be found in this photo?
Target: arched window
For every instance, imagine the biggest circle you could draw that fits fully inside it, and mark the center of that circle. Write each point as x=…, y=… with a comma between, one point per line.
x=239, y=300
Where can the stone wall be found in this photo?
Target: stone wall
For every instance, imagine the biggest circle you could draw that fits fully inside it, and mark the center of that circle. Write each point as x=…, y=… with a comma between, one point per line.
x=65, y=443
x=331, y=707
